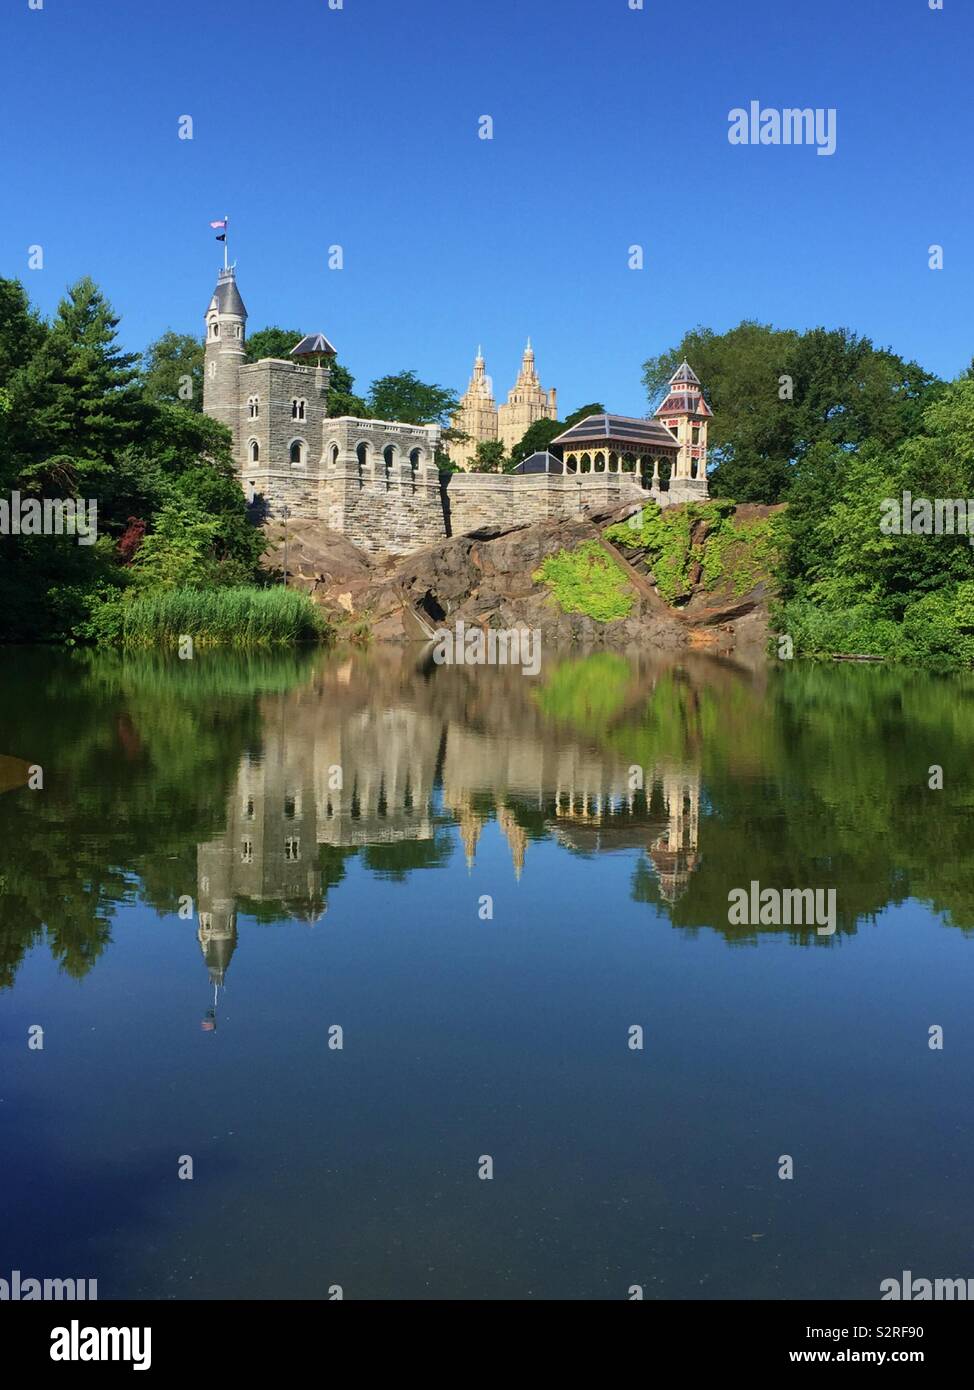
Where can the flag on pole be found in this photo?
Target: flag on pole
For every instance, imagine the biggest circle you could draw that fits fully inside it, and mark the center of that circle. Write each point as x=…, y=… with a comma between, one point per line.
x=220, y=227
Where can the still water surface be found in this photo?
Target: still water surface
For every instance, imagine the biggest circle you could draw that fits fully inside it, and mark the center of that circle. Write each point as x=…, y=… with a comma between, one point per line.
x=228, y=858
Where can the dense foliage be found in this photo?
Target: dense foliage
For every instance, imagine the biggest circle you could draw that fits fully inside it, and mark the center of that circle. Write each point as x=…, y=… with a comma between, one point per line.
x=840, y=430
x=80, y=421
x=702, y=543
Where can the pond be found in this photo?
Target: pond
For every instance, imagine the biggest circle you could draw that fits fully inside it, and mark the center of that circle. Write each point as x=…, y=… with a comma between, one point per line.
x=353, y=972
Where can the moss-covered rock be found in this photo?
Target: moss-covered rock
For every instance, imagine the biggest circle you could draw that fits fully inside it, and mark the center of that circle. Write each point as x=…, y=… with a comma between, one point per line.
x=587, y=580
x=704, y=549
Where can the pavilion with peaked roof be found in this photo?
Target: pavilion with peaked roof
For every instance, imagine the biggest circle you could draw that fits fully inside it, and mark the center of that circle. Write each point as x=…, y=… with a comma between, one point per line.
x=619, y=444
x=667, y=451
x=313, y=345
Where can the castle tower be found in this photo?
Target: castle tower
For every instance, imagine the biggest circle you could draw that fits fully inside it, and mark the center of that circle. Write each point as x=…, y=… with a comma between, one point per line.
x=527, y=401
x=226, y=334
x=476, y=415
x=686, y=414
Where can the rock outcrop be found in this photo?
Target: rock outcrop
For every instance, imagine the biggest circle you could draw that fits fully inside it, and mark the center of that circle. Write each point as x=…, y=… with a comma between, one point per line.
x=487, y=578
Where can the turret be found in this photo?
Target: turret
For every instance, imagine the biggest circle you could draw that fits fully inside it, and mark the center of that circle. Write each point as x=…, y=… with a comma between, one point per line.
x=686, y=414
x=226, y=336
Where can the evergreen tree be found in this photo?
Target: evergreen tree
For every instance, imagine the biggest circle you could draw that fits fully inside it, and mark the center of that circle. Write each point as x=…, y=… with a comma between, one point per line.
x=85, y=405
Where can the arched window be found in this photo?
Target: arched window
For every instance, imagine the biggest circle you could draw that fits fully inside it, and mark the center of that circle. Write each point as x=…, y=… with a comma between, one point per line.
x=334, y=455
x=253, y=406
x=415, y=459
x=297, y=409
x=254, y=451
x=586, y=464
x=297, y=452
x=362, y=454
x=600, y=463
x=389, y=456
x=216, y=330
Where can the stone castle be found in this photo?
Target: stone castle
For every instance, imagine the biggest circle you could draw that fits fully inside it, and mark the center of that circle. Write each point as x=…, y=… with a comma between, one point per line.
x=378, y=481
x=484, y=422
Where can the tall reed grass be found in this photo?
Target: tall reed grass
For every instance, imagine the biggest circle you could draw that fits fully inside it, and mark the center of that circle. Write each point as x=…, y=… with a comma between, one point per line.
x=231, y=617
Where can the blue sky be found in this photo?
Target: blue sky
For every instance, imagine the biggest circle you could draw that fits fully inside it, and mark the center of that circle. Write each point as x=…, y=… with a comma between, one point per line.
x=359, y=127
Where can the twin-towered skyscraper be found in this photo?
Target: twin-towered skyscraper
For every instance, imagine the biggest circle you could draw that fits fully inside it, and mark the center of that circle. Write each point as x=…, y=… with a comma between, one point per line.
x=482, y=421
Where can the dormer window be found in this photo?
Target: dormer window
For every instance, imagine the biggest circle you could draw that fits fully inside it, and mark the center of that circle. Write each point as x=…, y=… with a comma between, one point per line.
x=297, y=410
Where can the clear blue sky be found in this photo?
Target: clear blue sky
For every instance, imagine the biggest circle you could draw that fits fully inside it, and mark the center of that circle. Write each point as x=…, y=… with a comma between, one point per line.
x=359, y=127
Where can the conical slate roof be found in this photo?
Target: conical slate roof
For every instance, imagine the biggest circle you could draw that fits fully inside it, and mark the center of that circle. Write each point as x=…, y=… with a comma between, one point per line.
x=226, y=297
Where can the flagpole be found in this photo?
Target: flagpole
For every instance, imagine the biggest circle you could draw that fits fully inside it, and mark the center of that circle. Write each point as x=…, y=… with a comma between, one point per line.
x=226, y=241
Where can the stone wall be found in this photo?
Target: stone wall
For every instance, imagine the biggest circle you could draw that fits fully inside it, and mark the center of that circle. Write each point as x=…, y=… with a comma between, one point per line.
x=376, y=482
x=274, y=386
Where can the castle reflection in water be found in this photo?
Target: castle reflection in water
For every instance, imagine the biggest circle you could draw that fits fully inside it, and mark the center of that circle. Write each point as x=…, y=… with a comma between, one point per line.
x=382, y=754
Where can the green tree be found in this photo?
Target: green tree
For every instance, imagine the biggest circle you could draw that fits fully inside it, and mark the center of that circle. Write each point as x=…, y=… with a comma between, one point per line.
x=851, y=585
x=404, y=397
x=488, y=457
x=342, y=399
x=78, y=418
x=750, y=436
x=82, y=396
x=22, y=330
x=776, y=394
x=21, y=333
x=536, y=439
x=272, y=342
x=847, y=391
x=172, y=371
x=582, y=413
